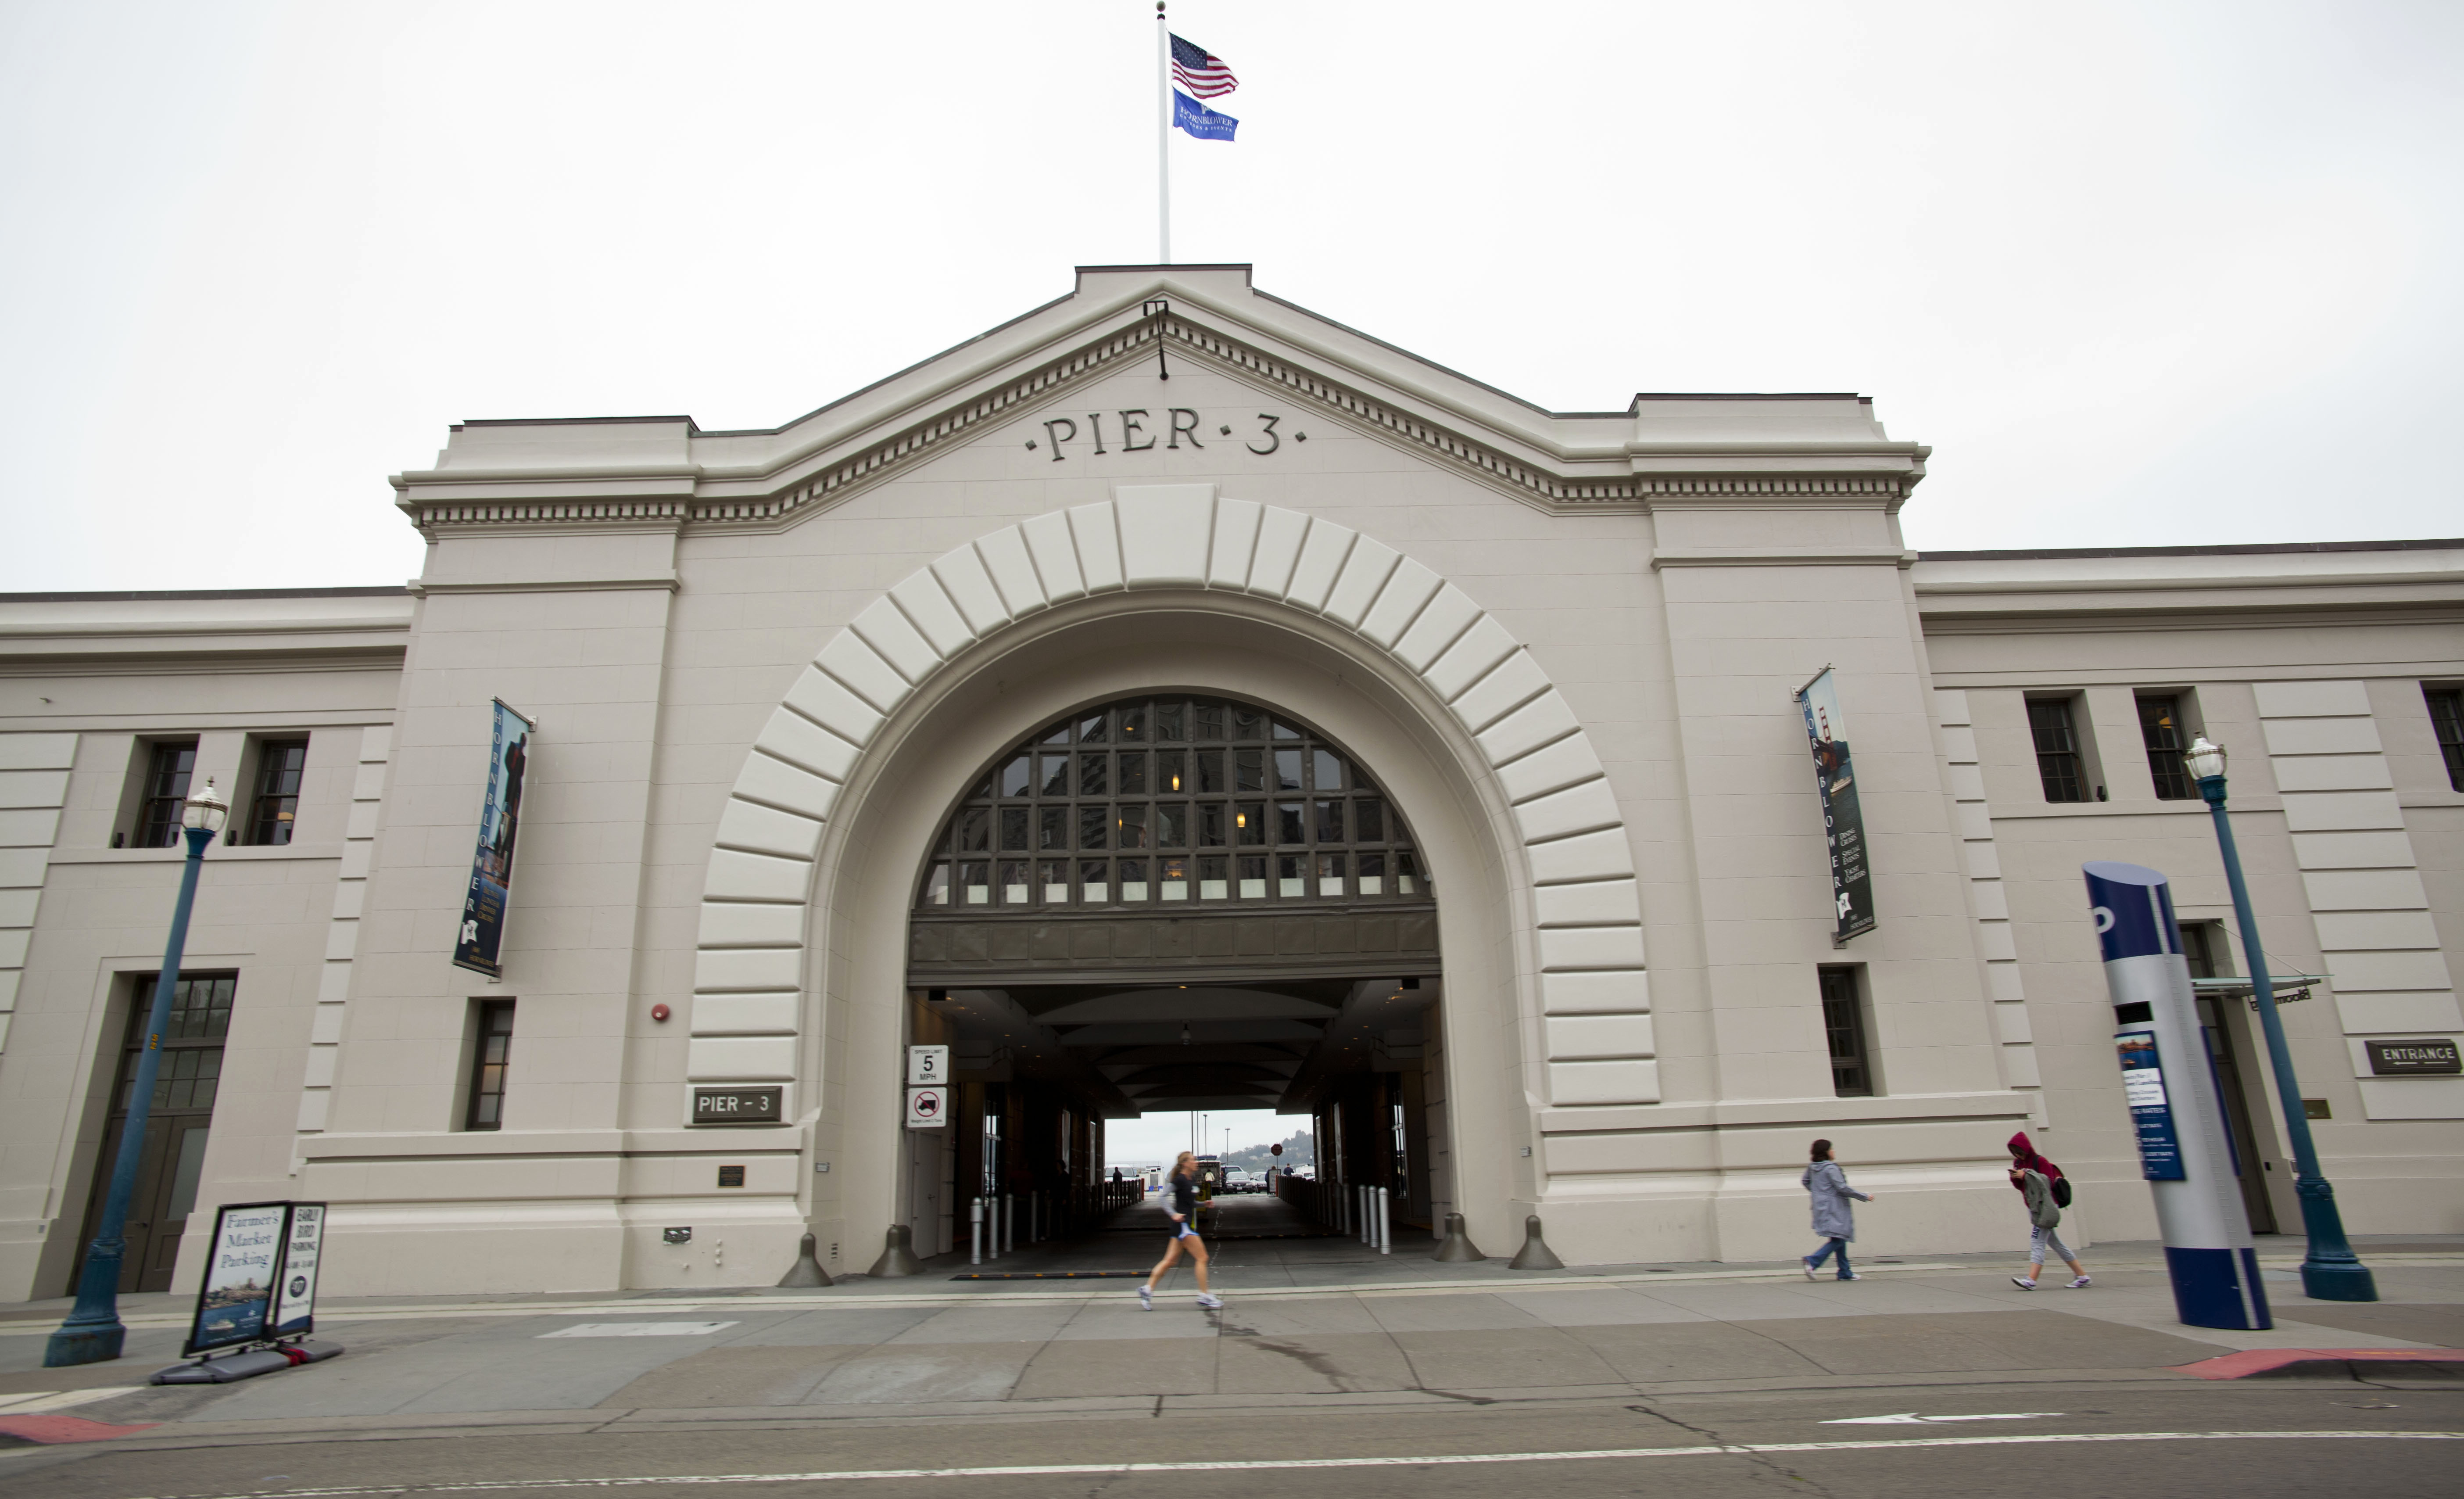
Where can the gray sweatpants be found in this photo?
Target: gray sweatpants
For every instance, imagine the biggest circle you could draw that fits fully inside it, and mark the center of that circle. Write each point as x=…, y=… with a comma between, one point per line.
x=2043, y=1241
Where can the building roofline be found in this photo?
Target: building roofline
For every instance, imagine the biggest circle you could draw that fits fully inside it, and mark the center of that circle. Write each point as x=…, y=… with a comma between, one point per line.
x=2269, y=548
x=172, y=595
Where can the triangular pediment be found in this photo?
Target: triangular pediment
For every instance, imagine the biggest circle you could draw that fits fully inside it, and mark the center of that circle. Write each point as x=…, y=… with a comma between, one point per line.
x=1205, y=321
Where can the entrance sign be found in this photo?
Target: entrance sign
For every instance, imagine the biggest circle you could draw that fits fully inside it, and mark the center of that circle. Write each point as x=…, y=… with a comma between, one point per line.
x=1843, y=824
x=928, y=1107
x=258, y=1251
x=2183, y=1149
x=482, y=935
x=737, y=1105
x=2428, y=1058
x=295, y=1296
x=928, y=1066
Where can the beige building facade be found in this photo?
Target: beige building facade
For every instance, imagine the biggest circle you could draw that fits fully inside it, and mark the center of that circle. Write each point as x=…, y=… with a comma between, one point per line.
x=1173, y=699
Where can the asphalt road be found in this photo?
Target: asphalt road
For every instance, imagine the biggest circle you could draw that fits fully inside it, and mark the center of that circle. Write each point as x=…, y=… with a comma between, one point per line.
x=2070, y=1440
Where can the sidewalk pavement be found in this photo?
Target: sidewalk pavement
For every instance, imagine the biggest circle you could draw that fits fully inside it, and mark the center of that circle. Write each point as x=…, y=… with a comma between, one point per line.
x=1306, y=1321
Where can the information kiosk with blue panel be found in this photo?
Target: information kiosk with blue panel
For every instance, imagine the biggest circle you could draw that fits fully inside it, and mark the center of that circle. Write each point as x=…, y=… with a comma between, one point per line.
x=2175, y=1104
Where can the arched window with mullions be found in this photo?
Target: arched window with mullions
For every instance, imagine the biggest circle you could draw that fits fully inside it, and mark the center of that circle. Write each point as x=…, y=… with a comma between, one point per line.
x=1160, y=800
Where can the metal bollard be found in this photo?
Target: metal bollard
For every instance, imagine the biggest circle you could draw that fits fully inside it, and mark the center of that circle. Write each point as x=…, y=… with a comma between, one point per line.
x=1009, y=1223
x=1360, y=1202
x=1034, y=1217
x=1385, y=1222
x=976, y=1234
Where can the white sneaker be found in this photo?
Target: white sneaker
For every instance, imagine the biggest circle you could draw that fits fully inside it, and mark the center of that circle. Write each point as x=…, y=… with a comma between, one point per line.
x=1209, y=1301
x=1146, y=1298
x=1808, y=1270
x=2023, y=1285
x=2079, y=1283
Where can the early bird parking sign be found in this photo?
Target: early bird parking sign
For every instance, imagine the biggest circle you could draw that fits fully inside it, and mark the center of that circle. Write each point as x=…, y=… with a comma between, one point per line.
x=925, y=1107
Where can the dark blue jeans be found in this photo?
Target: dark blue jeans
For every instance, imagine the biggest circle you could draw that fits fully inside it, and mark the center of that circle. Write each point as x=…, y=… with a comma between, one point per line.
x=1839, y=1246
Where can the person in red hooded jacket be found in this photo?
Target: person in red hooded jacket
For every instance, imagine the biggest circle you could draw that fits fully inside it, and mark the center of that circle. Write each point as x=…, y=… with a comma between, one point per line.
x=2033, y=1176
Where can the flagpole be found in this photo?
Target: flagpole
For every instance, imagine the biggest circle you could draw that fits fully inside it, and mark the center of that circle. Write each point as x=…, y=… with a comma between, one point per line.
x=1164, y=138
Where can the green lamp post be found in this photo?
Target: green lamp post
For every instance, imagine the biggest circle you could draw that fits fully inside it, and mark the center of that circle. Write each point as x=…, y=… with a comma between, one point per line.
x=94, y=1332
x=2330, y=1271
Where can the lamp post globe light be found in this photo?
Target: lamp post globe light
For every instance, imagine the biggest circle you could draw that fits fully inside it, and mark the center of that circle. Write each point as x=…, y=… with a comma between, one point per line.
x=2330, y=1271
x=93, y=1331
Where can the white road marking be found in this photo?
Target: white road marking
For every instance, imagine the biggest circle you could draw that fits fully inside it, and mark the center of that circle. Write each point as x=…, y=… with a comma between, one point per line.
x=34, y=1402
x=639, y=1330
x=1281, y=1464
x=1912, y=1418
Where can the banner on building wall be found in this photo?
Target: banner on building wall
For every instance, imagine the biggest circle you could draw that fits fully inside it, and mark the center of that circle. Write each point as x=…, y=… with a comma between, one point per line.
x=1843, y=824
x=492, y=868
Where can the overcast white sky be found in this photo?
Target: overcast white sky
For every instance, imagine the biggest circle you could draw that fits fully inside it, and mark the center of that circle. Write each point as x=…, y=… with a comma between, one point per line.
x=2142, y=274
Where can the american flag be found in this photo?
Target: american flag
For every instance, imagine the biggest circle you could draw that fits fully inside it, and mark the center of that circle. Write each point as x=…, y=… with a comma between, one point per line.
x=1199, y=71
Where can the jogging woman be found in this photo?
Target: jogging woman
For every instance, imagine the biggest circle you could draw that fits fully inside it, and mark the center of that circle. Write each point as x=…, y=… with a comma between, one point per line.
x=1181, y=1205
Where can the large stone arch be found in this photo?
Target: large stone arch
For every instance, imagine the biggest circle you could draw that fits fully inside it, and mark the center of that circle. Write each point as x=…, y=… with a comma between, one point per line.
x=1581, y=975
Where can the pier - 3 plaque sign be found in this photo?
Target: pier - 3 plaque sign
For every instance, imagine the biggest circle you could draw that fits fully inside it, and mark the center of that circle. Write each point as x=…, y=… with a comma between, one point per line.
x=1097, y=435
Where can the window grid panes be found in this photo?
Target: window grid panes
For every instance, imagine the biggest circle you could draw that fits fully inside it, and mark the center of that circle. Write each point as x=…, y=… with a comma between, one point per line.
x=2058, y=756
x=1172, y=801
x=193, y=1039
x=2159, y=729
x=166, y=788
x=1844, y=1026
x=2446, y=720
x=491, y=1065
x=279, y=765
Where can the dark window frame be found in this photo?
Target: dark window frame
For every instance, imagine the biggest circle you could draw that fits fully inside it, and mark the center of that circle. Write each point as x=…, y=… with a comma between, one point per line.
x=2446, y=706
x=2162, y=732
x=1178, y=813
x=274, y=807
x=1843, y=991
x=2061, y=765
x=190, y=1031
x=162, y=792
x=491, y=1067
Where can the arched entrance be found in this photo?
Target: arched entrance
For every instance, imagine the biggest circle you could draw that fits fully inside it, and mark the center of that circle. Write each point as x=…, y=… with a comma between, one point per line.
x=1170, y=903
x=821, y=848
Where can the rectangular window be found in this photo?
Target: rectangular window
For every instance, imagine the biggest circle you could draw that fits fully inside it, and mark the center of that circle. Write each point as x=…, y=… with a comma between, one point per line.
x=279, y=766
x=1014, y=825
x=1133, y=775
x=1843, y=1024
x=2447, y=721
x=2159, y=729
x=1012, y=881
x=1134, y=880
x=1210, y=772
x=2057, y=749
x=489, y=1064
x=1055, y=874
x=159, y=799
x=1214, y=877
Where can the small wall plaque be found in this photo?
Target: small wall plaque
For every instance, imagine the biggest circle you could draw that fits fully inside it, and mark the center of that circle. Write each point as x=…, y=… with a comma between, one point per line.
x=677, y=1235
x=736, y=1105
x=731, y=1176
x=2430, y=1056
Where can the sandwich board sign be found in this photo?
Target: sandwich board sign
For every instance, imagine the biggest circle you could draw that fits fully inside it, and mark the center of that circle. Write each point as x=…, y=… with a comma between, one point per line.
x=260, y=1280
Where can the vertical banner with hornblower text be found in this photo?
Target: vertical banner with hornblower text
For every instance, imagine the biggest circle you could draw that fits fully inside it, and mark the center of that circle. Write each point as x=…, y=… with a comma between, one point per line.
x=482, y=933
x=1844, y=826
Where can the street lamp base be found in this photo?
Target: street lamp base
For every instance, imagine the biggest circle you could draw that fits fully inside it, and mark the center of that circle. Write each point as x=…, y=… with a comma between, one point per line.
x=93, y=1343
x=2347, y=1282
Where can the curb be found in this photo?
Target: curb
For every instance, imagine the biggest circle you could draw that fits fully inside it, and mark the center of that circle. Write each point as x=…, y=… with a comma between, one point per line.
x=2393, y=1363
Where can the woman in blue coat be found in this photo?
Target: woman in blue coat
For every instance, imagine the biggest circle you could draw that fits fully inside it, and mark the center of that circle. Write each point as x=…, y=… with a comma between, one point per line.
x=1833, y=1217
